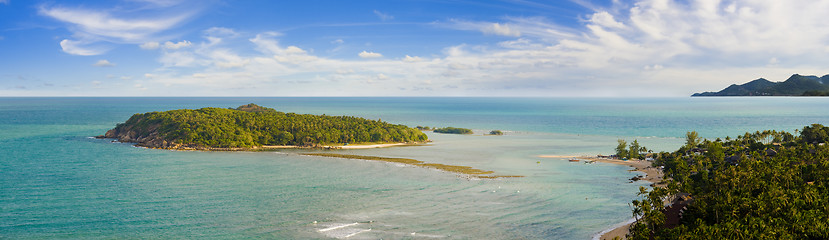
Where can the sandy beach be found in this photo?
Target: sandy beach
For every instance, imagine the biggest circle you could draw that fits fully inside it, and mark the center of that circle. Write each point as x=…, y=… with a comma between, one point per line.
x=350, y=146
x=653, y=175
x=360, y=146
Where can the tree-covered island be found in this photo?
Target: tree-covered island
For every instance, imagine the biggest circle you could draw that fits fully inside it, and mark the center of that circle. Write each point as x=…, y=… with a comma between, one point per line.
x=251, y=126
x=453, y=130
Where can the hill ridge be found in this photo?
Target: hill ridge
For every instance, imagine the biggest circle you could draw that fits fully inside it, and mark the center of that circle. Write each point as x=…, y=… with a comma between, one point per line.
x=796, y=85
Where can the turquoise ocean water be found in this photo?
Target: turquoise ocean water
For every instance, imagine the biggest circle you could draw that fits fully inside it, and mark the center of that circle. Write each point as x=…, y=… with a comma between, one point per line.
x=56, y=182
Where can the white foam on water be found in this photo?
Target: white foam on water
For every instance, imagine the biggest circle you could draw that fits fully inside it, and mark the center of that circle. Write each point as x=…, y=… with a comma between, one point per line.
x=343, y=231
x=361, y=231
x=338, y=227
x=422, y=235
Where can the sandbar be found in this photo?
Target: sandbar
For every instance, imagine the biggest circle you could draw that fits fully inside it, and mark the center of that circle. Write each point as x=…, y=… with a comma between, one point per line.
x=349, y=146
x=365, y=146
x=465, y=170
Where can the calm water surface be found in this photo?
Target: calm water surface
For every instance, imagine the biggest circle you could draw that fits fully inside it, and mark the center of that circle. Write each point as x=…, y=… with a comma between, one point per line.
x=56, y=182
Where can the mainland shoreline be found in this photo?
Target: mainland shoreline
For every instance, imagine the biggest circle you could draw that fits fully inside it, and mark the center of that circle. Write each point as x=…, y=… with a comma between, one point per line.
x=652, y=175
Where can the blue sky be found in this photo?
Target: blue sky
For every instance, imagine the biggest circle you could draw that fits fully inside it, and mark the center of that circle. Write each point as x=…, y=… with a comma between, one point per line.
x=404, y=48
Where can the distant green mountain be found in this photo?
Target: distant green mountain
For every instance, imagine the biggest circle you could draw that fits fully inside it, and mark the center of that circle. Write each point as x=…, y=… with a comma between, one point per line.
x=796, y=85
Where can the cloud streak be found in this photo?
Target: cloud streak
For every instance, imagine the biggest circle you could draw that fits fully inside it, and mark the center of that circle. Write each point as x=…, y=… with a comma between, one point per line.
x=95, y=26
x=103, y=63
x=365, y=54
x=383, y=16
x=643, y=48
x=81, y=48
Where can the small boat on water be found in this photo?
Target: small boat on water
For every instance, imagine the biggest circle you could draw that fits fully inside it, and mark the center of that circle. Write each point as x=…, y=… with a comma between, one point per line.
x=590, y=162
x=573, y=160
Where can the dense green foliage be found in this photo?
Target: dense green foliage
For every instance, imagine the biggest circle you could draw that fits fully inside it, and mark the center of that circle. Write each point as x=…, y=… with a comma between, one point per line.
x=496, y=132
x=254, y=108
x=622, y=149
x=796, y=85
x=815, y=93
x=633, y=151
x=453, y=130
x=762, y=185
x=257, y=126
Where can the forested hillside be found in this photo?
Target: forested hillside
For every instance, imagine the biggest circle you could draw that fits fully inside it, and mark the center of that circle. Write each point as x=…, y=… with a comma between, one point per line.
x=762, y=185
x=796, y=85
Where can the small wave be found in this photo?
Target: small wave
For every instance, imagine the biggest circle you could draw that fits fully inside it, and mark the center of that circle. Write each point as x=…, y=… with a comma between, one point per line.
x=598, y=236
x=428, y=235
x=338, y=227
x=358, y=232
x=343, y=231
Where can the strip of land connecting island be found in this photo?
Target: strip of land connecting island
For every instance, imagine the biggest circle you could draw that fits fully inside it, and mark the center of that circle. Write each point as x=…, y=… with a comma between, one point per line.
x=469, y=171
x=256, y=128
x=253, y=127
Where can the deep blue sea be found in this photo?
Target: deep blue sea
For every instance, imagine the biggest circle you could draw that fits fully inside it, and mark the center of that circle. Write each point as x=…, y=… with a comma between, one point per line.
x=58, y=183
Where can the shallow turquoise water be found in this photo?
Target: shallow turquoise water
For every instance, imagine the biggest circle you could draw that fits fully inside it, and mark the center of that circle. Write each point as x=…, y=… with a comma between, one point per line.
x=58, y=183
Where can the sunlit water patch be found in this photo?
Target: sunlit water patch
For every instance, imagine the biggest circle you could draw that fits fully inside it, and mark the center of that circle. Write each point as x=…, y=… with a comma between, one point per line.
x=56, y=182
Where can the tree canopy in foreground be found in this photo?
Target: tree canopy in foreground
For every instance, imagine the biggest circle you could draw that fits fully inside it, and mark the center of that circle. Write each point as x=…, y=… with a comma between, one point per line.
x=252, y=125
x=761, y=185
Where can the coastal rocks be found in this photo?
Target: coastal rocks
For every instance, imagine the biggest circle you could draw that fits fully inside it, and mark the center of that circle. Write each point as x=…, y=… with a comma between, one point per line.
x=146, y=137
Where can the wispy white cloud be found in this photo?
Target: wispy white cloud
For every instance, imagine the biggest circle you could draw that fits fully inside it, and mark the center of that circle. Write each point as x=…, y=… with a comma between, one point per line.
x=102, y=24
x=93, y=26
x=365, y=54
x=178, y=59
x=648, y=48
x=606, y=20
x=537, y=27
x=412, y=59
x=159, y=3
x=178, y=45
x=216, y=35
x=150, y=45
x=103, y=63
x=221, y=32
x=773, y=62
x=501, y=29
x=5, y=1
x=224, y=58
x=653, y=67
x=383, y=16
x=82, y=48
